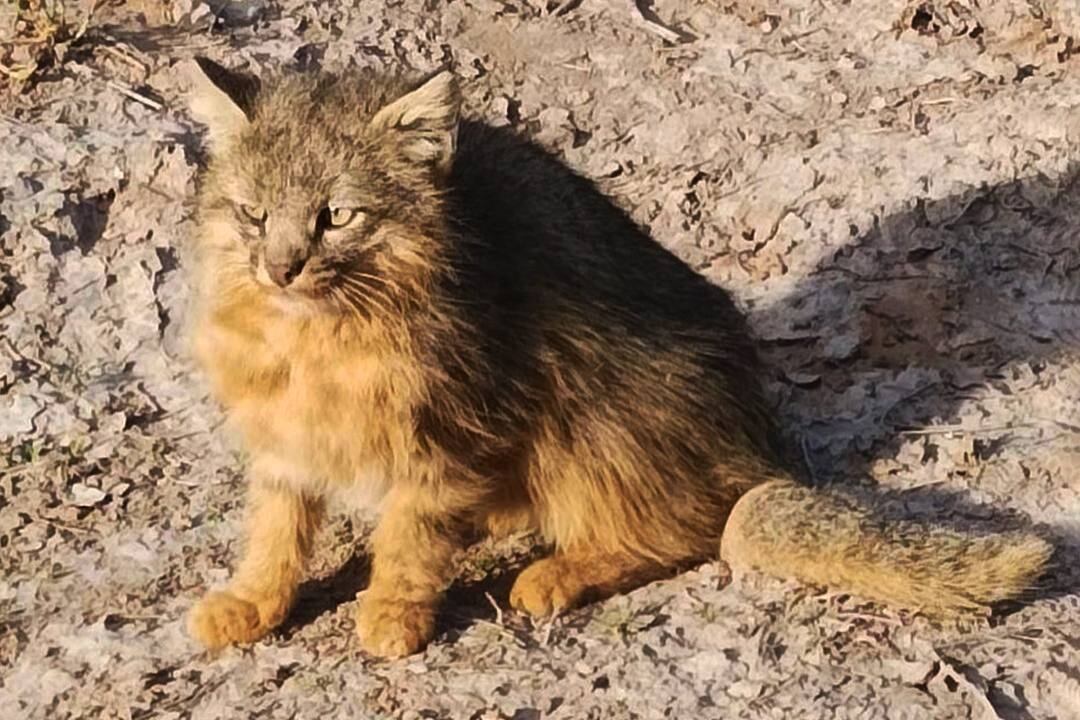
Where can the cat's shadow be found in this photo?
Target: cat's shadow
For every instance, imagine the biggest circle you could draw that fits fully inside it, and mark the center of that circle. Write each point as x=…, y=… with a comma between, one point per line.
x=324, y=595
x=949, y=299
x=479, y=597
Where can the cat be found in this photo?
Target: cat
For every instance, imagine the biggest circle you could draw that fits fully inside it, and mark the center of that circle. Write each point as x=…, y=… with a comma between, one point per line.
x=401, y=304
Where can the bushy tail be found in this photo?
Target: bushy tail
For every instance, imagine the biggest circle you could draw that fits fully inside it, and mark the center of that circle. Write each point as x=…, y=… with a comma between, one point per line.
x=820, y=537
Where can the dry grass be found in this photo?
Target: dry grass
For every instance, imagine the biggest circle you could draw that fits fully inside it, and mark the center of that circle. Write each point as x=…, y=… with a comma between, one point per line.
x=37, y=34
x=918, y=273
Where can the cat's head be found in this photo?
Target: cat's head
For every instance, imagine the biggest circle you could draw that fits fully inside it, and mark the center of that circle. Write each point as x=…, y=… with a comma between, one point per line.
x=322, y=191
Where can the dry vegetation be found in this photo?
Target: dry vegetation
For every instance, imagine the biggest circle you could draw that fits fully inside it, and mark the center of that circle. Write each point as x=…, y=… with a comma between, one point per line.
x=890, y=189
x=37, y=35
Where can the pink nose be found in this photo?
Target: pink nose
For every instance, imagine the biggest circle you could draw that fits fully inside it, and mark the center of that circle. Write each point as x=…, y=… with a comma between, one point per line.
x=284, y=273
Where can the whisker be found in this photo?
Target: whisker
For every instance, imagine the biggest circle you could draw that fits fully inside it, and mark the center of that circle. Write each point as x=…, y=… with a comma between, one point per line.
x=346, y=305
x=382, y=281
x=351, y=305
x=367, y=290
x=364, y=297
x=359, y=274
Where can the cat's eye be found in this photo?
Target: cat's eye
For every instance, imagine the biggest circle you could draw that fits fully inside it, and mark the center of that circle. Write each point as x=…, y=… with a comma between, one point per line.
x=339, y=217
x=254, y=213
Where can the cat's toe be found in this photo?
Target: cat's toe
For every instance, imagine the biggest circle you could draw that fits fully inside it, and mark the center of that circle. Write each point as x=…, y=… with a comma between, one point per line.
x=393, y=628
x=543, y=589
x=222, y=619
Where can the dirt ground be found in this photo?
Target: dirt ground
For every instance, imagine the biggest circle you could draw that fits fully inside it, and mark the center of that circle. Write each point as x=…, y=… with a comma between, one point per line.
x=891, y=189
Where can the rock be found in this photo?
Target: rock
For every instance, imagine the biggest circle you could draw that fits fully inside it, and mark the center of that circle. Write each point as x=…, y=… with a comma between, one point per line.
x=87, y=495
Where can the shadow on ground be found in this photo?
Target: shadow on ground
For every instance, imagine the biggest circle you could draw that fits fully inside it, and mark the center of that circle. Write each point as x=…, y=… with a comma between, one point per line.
x=976, y=291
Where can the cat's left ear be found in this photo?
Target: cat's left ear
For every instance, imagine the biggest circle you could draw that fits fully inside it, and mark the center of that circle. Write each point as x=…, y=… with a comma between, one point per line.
x=427, y=119
x=222, y=99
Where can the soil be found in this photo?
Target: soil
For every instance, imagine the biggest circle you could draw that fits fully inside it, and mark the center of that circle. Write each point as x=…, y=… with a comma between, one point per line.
x=890, y=189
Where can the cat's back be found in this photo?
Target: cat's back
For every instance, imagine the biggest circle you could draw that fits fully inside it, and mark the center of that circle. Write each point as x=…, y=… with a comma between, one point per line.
x=559, y=240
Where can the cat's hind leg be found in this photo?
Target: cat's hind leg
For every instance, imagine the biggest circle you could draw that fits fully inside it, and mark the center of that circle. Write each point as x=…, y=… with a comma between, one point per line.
x=568, y=579
x=618, y=518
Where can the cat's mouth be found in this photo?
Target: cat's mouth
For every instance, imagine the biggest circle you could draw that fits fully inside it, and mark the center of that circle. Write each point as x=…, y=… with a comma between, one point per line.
x=322, y=286
x=311, y=292
x=295, y=281
x=297, y=294
x=299, y=299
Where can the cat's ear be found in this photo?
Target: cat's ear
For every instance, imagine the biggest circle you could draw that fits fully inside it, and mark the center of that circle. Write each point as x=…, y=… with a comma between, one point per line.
x=222, y=99
x=427, y=120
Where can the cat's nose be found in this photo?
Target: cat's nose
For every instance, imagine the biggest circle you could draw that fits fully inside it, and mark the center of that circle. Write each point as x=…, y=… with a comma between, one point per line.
x=284, y=273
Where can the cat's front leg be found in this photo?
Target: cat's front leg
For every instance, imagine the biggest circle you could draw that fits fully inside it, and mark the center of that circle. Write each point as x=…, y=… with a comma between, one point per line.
x=281, y=527
x=413, y=550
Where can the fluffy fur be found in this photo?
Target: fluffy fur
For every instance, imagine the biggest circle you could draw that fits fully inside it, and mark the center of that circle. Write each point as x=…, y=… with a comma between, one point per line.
x=436, y=315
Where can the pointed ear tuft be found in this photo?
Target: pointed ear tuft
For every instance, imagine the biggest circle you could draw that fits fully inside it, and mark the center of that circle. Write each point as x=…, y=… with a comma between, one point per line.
x=427, y=120
x=222, y=99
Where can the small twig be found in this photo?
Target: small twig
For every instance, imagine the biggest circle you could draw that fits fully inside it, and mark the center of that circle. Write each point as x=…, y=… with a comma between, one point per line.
x=940, y=101
x=137, y=97
x=648, y=20
x=498, y=610
x=946, y=429
x=562, y=8
x=62, y=525
x=806, y=459
x=897, y=622
x=504, y=630
x=545, y=636
x=185, y=436
x=85, y=24
x=1059, y=423
x=123, y=56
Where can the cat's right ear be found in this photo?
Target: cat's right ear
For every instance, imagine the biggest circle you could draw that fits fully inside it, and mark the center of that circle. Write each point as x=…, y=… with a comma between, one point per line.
x=222, y=100
x=425, y=120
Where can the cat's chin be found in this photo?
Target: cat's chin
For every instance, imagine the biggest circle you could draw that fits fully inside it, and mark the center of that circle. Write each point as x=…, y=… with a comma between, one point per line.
x=295, y=304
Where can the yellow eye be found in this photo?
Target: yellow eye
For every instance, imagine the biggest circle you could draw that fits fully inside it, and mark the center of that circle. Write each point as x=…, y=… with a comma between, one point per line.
x=254, y=213
x=340, y=217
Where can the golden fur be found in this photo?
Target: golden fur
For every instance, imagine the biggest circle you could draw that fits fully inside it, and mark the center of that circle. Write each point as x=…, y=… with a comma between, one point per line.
x=437, y=316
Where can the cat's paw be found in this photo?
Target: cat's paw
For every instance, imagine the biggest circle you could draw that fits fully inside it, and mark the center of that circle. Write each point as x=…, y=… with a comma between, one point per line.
x=222, y=618
x=394, y=628
x=544, y=588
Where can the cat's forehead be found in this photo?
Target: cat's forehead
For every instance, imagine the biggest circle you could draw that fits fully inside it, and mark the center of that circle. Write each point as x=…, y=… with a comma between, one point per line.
x=283, y=160
x=309, y=142
x=308, y=109
x=305, y=177
x=309, y=139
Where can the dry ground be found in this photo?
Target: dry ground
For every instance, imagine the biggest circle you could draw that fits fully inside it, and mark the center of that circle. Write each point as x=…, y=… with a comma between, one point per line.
x=890, y=188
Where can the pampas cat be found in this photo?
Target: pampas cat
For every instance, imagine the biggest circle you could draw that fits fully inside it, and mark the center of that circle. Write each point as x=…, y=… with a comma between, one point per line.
x=402, y=304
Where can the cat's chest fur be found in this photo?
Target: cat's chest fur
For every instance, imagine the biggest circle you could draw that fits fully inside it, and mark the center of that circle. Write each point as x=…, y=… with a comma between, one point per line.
x=317, y=410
